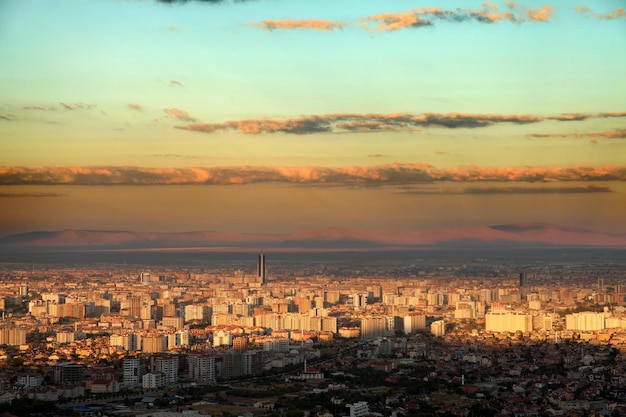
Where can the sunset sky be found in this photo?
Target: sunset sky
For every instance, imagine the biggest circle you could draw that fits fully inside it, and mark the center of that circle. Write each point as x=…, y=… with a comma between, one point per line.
x=280, y=116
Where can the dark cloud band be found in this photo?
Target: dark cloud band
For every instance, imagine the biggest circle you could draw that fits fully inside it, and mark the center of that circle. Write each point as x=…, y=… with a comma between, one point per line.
x=366, y=123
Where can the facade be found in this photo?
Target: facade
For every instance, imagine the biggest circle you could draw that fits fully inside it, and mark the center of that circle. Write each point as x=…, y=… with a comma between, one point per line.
x=168, y=365
x=438, y=328
x=508, y=321
x=262, y=269
x=131, y=376
x=201, y=368
x=585, y=321
x=413, y=322
x=358, y=409
x=69, y=373
x=373, y=327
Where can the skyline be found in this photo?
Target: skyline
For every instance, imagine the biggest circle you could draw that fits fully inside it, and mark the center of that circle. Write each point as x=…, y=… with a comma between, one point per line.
x=269, y=117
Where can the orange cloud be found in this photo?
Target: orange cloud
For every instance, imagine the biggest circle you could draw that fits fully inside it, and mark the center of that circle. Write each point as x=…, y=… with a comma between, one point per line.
x=176, y=83
x=618, y=13
x=365, y=176
x=388, y=22
x=539, y=14
x=489, y=13
x=350, y=122
x=179, y=114
x=134, y=106
x=314, y=24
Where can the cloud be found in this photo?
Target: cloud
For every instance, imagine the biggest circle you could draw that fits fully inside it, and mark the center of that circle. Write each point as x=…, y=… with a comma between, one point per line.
x=585, y=189
x=489, y=13
x=40, y=108
x=420, y=17
x=176, y=83
x=541, y=190
x=348, y=123
x=618, y=13
x=363, y=176
x=30, y=195
x=376, y=155
x=314, y=24
x=617, y=134
x=62, y=106
x=179, y=114
x=134, y=106
x=77, y=106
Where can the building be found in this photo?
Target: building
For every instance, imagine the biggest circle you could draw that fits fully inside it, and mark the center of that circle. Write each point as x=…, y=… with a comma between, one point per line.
x=153, y=380
x=508, y=321
x=67, y=373
x=12, y=336
x=222, y=338
x=414, y=322
x=154, y=343
x=201, y=368
x=438, y=328
x=465, y=310
x=132, y=371
x=585, y=321
x=358, y=409
x=373, y=327
x=168, y=365
x=261, y=269
x=523, y=284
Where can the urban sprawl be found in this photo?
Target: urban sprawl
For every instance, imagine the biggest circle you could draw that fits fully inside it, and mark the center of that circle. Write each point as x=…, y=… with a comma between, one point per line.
x=421, y=339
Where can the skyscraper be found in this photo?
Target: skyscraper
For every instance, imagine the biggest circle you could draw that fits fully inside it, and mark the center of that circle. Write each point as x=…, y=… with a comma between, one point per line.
x=261, y=269
x=523, y=285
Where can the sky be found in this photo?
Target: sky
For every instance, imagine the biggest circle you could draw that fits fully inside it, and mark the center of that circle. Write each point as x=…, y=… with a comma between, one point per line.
x=277, y=116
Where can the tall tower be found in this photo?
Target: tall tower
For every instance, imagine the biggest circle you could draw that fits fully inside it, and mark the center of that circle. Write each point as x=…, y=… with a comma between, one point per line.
x=523, y=285
x=261, y=268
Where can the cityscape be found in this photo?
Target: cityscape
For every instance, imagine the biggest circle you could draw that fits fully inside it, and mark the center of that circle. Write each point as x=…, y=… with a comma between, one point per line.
x=254, y=337
x=312, y=208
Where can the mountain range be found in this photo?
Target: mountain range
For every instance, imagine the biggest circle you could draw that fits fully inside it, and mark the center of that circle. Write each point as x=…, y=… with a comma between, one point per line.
x=526, y=234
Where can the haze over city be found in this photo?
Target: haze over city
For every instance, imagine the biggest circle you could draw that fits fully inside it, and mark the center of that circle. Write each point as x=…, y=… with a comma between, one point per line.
x=284, y=117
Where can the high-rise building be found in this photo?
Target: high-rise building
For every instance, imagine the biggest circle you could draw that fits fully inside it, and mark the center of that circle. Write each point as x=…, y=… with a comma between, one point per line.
x=523, y=284
x=168, y=364
x=201, y=368
x=132, y=371
x=261, y=268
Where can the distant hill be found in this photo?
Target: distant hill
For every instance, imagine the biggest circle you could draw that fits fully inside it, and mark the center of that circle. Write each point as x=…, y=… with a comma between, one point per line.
x=529, y=234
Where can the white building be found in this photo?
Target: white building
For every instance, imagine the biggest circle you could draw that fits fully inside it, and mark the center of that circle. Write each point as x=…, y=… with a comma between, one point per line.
x=438, y=328
x=222, y=338
x=153, y=380
x=131, y=376
x=414, y=322
x=358, y=409
x=584, y=321
x=508, y=321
